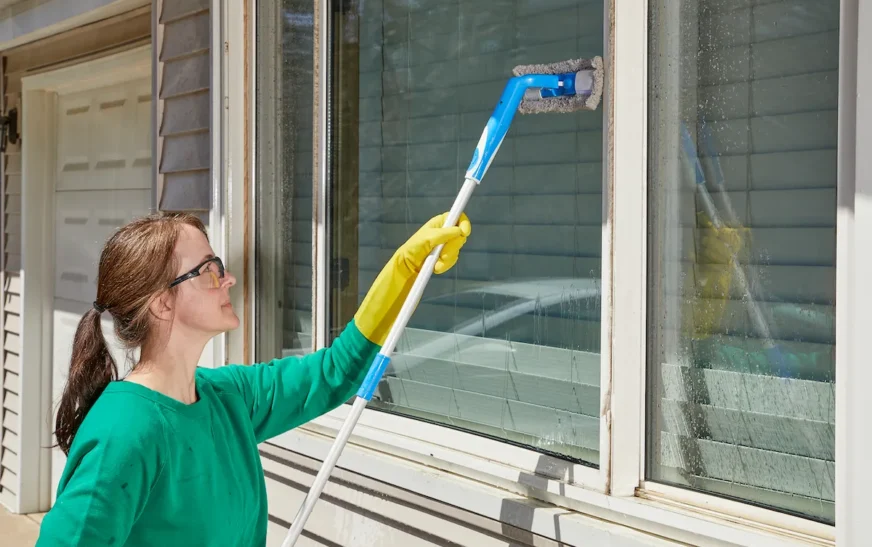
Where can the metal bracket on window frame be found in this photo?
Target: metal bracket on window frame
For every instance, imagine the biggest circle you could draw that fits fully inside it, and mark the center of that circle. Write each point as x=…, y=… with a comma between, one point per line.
x=340, y=273
x=9, y=129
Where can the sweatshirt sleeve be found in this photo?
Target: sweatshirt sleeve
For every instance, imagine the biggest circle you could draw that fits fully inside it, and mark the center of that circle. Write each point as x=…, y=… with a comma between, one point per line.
x=110, y=471
x=285, y=393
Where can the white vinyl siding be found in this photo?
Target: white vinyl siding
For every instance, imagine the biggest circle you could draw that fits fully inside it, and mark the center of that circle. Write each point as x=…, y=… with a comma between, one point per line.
x=11, y=364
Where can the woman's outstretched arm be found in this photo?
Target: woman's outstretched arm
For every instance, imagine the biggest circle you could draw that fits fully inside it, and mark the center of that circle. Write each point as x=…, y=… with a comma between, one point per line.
x=286, y=393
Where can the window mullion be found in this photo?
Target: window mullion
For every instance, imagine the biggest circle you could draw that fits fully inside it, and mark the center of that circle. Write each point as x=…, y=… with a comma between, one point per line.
x=853, y=271
x=624, y=407
x=320, y=247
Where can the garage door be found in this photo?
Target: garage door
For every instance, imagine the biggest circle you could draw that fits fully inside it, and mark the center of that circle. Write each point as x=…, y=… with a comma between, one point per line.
x=103, y=181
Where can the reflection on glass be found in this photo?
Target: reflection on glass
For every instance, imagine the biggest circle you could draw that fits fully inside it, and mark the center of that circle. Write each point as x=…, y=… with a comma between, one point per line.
x=284, y=163
x=507, y=343
x=741, y=281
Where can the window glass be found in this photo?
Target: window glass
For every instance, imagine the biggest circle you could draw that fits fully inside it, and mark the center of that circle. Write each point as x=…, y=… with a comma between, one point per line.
x=742, y=244
x=506, y=344
x=284, y=177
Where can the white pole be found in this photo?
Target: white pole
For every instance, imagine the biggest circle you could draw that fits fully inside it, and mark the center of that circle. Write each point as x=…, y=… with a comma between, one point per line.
x=387, y=350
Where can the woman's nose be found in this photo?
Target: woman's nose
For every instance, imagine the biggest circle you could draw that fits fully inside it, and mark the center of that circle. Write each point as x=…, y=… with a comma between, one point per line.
x=228, y=280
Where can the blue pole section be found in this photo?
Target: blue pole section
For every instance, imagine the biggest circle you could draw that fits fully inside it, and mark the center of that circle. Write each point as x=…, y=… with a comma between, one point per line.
x=499, y=122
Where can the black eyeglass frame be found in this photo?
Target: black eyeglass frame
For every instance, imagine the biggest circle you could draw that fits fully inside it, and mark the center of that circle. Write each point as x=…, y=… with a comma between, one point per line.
x=196, y=271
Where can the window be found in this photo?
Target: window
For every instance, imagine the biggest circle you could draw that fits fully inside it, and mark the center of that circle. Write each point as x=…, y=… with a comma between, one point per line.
x=506, y=344
x=741, y=234
x=284, y=171
x=742, y=121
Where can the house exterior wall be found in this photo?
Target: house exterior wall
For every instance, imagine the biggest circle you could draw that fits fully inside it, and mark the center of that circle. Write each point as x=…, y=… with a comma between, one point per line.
x=390, y=490
x=37, y=36
x=108, y=35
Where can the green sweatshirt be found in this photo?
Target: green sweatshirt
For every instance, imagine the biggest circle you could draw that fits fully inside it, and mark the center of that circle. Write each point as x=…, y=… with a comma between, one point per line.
x=146, y=469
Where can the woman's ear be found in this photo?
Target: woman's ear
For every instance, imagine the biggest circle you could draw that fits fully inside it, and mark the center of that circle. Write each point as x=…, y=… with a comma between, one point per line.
x=161, y=306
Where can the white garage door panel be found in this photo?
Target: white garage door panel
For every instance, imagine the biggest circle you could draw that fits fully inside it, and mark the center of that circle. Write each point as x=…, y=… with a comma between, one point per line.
x=141, y=139
x=74, y=118
x=104, y=138
x=103, y=182
x=84, y=221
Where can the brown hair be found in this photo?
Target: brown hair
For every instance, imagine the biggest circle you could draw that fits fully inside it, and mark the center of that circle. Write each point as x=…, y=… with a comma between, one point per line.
x=137, y=264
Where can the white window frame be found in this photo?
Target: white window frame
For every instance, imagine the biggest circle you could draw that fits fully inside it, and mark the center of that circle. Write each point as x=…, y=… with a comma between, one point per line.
x=525, y=460
x=618, y=491
x=230, y=214
x=853, y=272
x=846, y=298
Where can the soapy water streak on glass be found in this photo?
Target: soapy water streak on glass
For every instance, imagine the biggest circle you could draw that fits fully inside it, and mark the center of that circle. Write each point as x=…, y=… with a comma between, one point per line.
x=738, y=407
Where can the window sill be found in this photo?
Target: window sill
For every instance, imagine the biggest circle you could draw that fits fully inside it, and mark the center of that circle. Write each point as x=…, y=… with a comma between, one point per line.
x=563, y=512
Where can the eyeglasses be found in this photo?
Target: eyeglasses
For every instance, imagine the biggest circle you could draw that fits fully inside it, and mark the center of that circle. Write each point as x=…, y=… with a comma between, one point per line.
x=207, y=267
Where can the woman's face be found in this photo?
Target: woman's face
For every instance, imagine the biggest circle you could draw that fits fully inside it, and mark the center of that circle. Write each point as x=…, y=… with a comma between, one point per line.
x=202, y=302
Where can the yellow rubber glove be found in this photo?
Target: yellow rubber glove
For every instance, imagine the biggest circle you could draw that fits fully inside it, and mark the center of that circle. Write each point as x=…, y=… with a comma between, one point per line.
x=706, y=301
x=381, y=306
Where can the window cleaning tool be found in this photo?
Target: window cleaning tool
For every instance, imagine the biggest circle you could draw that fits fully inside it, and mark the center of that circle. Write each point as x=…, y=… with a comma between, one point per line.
x=561, y=87
x=758, y=319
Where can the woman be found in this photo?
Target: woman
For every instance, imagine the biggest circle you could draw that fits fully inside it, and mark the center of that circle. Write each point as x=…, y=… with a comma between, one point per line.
x=168, y=455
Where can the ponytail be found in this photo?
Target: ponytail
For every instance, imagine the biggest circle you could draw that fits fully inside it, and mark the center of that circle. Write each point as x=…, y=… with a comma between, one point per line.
x=91, y=370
